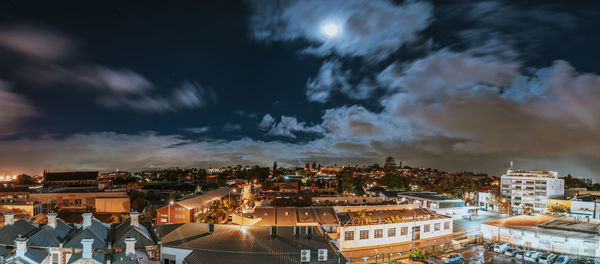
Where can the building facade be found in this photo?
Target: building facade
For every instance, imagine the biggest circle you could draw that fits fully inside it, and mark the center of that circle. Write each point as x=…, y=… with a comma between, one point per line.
x=531, y=190
x=438, y=203
x=408, y=225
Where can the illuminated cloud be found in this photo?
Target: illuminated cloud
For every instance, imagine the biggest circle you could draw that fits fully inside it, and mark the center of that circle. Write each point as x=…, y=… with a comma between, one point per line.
x=369, y=29
x=13, y=109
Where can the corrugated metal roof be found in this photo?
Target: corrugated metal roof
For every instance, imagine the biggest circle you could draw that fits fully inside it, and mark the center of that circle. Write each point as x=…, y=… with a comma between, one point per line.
x=202, y=200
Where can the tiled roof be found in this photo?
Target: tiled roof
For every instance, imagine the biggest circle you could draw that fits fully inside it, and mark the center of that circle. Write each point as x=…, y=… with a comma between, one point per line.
x=8, y=233
x=125, y=229
x=97, y=231
x=251, y=244
x=32, y=256
x=48, y=236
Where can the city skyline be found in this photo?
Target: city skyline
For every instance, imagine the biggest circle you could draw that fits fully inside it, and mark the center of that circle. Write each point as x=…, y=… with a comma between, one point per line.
x=452, y=86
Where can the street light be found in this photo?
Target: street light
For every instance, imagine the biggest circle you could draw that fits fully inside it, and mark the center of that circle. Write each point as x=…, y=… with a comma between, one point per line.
x=170, y=203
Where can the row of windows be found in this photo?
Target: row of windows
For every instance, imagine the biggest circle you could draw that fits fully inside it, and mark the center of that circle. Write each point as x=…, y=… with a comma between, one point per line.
x=179, y=216
x=378, y=233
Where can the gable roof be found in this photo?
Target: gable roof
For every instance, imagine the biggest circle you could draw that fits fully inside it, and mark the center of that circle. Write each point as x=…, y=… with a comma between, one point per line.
x=32, y=256
x=253, y=244
x=97, y=231
x=8, y=233
x=125, y=229
x=48, y=236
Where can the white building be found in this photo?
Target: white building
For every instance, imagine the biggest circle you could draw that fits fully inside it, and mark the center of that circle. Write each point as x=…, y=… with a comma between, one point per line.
x=561, y=235
x=438, y=203
x=531, y=189
x=410, y=225
x=487, y=200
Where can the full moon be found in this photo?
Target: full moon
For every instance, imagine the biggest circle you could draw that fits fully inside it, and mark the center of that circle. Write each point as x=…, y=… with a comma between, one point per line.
x=330, y=29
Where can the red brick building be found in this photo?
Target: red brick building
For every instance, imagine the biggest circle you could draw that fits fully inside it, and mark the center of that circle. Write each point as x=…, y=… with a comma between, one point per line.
x=185, y=210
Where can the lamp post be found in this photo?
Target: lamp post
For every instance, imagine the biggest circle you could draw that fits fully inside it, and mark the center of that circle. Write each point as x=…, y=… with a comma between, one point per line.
x=170, y=203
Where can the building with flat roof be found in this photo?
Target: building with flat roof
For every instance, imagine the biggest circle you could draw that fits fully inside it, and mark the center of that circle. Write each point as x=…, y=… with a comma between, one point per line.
x=213, y=243
x=438, y=203
x=383, y=227
x=325, y=217
x=530, y=190
x=75, y=178
x=562, y=235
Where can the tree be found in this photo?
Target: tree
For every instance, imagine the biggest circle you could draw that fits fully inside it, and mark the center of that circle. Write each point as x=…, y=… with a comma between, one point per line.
x=274, y=168
x=345, y=180
x=361, y=218
x=558, y=208
x=314, y=165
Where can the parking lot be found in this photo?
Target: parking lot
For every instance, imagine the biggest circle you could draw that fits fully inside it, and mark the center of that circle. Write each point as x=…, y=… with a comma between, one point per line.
x=478, y=254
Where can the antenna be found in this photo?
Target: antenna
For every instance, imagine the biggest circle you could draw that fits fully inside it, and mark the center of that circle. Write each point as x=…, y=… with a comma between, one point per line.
x=511, y=165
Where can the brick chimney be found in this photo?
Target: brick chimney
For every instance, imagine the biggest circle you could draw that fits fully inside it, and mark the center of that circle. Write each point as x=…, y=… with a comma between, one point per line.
x=9, y=218
x=21, y=244
x=51, y=220
x=87, y=220
x=87, y=248
x=134, y=216
x=130, y=246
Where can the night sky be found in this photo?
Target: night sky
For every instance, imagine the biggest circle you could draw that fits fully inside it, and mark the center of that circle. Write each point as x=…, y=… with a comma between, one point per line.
x=454, y=85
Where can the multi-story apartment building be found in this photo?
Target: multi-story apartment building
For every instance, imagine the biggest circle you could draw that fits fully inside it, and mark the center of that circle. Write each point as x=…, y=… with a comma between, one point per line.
x=530, y=190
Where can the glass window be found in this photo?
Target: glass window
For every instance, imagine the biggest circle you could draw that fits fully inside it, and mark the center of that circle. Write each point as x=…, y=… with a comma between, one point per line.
x=447, y=225
x=404, y=231
x=364, y=234
x=54, y=258
x=391, y=232
x=349, y=235
x=436, y=227
x=378, y=233
x=426, y=228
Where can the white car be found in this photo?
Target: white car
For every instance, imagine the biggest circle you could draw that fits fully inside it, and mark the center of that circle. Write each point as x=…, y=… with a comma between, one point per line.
x=546, y=258
x=534, y=256
x=501, y=247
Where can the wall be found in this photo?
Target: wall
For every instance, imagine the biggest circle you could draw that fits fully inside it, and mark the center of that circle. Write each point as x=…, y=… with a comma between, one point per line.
x=398, y=238
x=349, y=200
x=178, y=253
x=113, y=205
x=178, y=213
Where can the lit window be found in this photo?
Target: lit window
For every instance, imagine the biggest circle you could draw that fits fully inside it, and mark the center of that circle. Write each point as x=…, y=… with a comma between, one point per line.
x=447, y=225
x=426, y=228
x=392, y=232
x=378, y=233
x=349, y=235
x=404, y=231
x=364, y=234
x=436, y=227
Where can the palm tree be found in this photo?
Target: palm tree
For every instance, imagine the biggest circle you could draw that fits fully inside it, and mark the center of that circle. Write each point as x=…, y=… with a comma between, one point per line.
x=361, y=218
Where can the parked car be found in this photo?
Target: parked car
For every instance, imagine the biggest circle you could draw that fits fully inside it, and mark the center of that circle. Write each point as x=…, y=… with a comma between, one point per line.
x=591, y=261
x=562, y=260
x=501, y=247
x=533, y=256
x=452, y=258
x=490, y=247
x=511, y=252
x=546, y=258
x=520, y=254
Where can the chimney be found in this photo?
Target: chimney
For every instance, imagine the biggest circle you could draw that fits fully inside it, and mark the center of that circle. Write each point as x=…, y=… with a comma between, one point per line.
x=9, y=218
x=134, y=216
x=51, y=220
x=21, y=246
x=129, y=246
x=87, y=220
x=87, y=247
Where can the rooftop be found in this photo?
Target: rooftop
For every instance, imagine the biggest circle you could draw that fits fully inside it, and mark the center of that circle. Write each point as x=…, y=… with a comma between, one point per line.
x=380, y=216
x=203, y=199
x=71, y=176
x=253, y=244
x=427, y=195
